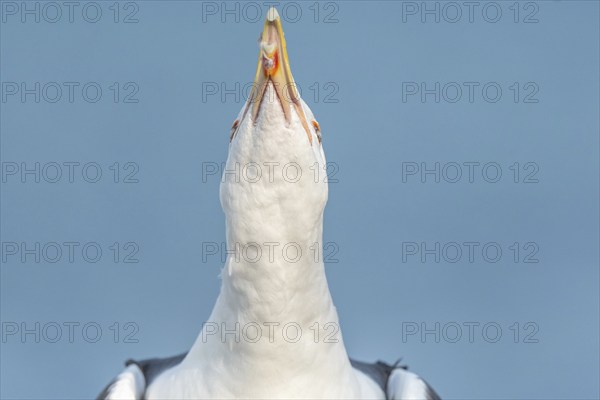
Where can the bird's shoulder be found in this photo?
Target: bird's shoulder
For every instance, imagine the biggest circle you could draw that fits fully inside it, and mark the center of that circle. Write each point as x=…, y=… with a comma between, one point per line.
x=137, y=376
x=129, y=384
x=397, y=382
x=404, y=384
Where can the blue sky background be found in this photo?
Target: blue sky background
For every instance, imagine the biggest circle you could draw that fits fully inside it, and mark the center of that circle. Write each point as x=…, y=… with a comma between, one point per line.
x=355, y=62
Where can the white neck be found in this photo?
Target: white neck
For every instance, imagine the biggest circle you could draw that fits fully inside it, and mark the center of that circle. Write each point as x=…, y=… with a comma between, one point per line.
x=300, y=340
x=274, y=325
x=276, y=280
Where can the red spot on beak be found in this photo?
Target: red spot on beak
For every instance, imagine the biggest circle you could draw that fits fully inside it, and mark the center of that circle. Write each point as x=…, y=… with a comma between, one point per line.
x=270, y=65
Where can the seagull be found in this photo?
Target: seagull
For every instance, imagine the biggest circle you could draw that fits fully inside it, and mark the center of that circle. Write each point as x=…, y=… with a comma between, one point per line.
x=274, y=331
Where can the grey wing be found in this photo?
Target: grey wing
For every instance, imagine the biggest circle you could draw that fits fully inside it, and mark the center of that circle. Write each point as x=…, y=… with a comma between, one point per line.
x=379, y=372
x=129, y=384
x=406, y=385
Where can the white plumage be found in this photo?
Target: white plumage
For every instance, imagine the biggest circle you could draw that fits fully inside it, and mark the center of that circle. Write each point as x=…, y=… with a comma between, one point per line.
x=279, y=293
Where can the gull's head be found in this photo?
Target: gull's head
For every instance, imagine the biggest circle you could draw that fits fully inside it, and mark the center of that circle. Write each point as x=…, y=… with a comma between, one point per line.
x=275, y=169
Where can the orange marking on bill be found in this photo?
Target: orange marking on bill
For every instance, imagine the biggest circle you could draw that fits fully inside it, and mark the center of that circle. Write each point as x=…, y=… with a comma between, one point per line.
x=271, y=69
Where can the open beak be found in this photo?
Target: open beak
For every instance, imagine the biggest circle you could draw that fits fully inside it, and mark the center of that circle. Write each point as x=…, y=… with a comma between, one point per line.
x=273, y=66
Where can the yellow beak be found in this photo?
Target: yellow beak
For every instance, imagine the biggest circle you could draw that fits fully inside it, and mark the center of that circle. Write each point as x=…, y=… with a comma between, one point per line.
x=273, y=66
